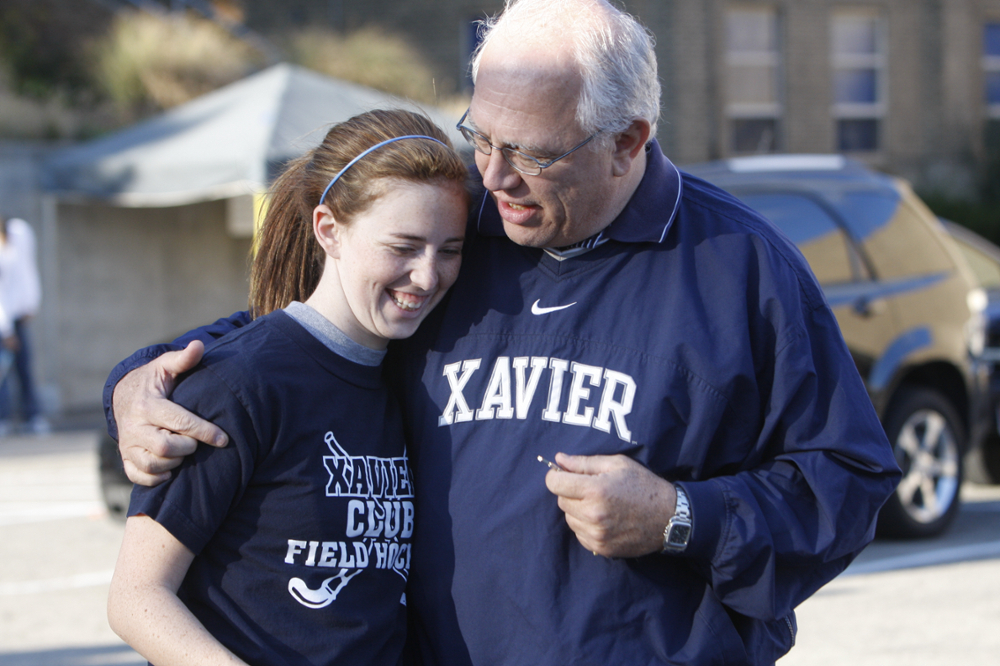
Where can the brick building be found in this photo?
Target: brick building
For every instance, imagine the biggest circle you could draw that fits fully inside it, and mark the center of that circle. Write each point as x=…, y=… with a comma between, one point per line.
x=909, y=86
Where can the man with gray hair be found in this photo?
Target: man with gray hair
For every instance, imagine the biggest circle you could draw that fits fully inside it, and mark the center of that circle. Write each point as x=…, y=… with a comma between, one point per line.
x=713, y=457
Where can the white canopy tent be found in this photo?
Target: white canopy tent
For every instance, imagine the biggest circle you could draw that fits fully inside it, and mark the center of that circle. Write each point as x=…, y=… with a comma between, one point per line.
x=228, y=142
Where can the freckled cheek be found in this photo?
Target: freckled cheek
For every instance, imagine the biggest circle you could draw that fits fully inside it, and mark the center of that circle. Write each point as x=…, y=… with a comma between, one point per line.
x=379, y=267
x=448, y=273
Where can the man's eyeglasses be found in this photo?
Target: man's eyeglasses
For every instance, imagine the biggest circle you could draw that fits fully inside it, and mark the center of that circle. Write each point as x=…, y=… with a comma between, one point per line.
x=521, y=162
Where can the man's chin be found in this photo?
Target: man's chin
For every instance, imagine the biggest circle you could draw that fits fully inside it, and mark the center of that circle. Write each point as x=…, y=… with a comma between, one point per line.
x=527, y=236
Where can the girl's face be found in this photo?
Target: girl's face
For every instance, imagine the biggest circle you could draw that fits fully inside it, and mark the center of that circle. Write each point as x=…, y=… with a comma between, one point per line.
x=396, y=260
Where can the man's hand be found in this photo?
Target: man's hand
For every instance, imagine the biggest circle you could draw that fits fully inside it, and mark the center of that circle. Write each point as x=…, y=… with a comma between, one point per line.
x=154, y=434
x=616, y=507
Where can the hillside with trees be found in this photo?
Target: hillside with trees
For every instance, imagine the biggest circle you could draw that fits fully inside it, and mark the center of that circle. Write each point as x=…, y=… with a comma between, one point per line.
x=73, y=69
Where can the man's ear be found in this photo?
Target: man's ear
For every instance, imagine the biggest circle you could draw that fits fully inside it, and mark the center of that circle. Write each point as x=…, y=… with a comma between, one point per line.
x=326, y=230
x=628, y=145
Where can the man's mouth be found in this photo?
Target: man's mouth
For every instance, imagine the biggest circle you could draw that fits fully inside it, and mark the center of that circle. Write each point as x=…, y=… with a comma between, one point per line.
x=408, y=302
x=516, y=213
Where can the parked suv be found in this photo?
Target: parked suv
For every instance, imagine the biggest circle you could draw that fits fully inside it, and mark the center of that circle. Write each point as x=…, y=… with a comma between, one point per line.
x=907, y=304
x=984, y=260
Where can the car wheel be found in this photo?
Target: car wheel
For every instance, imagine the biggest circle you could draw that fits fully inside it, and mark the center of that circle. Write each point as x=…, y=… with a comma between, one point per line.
x=926, y=436
x=116, y=489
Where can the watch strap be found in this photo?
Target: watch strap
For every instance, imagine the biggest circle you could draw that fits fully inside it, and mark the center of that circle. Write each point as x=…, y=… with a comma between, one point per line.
x=677, y=533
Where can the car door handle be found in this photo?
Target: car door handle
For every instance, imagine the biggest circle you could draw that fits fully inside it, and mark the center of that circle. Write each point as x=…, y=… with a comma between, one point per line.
x=869, y=307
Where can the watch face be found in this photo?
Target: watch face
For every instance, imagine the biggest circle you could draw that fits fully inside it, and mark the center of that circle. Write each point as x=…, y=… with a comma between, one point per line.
x=678, y=535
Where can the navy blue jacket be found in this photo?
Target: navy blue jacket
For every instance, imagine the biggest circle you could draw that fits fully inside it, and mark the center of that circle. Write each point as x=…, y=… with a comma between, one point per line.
x=695, y=341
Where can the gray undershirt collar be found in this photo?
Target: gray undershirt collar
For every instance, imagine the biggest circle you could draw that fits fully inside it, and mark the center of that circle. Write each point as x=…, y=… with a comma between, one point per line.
x=332, y=337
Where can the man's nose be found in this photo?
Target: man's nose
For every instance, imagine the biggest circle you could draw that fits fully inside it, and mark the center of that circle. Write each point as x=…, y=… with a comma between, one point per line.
x=497, y=173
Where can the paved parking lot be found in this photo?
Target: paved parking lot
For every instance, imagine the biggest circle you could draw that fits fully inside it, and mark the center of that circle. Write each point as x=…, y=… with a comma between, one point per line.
x=927, y=603
x=59, y=548
x=919, y=604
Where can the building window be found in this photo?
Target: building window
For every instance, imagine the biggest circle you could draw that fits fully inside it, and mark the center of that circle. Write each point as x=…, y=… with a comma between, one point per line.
x=753, y=106
x=991, y=68
x=858, y=58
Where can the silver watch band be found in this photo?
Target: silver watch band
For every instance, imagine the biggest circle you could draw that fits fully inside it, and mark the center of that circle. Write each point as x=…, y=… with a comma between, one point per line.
x=683, y=508
x=677, y=533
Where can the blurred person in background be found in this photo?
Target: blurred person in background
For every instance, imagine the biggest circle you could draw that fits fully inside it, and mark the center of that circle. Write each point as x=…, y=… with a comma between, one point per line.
x=20, y=297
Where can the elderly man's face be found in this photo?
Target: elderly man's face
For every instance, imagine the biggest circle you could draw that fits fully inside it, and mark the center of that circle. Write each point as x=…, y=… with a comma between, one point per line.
x=529, y=103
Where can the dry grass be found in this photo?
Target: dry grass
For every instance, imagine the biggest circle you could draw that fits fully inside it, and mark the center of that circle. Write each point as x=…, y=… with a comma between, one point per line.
x=148, y=62
x=370, y=57
x=56, y=116
x=152, y=61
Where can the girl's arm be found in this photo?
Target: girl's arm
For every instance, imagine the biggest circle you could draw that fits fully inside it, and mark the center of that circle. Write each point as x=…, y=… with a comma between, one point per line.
x=143, y=607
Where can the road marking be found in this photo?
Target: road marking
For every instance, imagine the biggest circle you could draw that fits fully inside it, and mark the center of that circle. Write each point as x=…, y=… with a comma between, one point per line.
x=56, y=584
x=973, y=551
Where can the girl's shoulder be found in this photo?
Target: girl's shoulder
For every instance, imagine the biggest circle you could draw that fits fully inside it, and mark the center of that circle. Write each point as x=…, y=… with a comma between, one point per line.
x=251, y=358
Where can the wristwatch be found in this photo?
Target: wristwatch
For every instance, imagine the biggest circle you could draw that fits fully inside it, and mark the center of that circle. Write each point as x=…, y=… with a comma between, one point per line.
x=678, y=530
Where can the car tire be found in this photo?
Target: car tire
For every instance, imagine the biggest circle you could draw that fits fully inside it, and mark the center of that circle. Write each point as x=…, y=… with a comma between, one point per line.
x=116, y=489
x=927, y=439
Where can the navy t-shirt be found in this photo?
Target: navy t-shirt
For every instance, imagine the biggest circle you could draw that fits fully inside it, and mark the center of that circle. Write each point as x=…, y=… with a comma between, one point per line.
x=301, y=527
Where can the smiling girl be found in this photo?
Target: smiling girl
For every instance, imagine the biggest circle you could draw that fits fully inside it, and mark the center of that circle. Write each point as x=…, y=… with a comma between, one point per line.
x=292, y=544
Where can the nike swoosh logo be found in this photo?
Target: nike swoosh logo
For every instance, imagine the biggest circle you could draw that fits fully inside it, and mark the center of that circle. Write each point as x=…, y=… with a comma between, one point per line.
x=536, y=310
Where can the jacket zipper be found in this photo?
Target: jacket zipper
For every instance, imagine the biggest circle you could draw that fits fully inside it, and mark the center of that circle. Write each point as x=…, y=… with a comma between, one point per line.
x=791, y=630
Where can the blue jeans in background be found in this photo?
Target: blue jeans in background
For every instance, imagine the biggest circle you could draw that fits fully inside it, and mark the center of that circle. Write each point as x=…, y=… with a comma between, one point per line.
x=22, y=369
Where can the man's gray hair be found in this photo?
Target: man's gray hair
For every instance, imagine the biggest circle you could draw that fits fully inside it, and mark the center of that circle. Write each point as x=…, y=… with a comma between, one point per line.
x=613, y=50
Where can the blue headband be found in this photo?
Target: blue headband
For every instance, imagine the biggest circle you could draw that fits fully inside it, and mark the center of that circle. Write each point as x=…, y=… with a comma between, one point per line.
x=377, y=145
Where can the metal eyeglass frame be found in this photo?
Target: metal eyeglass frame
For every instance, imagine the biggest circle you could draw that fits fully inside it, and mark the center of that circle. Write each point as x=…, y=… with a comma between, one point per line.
x=474, y=137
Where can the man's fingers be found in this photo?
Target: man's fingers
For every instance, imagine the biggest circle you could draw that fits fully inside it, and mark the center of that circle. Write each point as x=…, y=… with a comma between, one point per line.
x=159, y=452
x=178, y=362
x=154, y=434
x=614, y=505
x=170, y=446
x=135, y=475
x=590, y=464
x=567, y=484
x=588, y=537
x=176, y=419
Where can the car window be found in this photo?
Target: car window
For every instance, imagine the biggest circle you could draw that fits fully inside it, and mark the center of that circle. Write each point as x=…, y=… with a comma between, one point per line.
x=865, y=212
x=985, y=267
x=812, y=229
x=906, y=245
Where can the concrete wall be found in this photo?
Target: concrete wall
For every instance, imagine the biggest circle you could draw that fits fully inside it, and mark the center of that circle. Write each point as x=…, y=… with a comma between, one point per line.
x=115, y=279
x=126, y=278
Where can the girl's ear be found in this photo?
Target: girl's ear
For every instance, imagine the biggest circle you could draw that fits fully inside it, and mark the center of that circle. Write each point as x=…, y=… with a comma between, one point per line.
x=327, y=230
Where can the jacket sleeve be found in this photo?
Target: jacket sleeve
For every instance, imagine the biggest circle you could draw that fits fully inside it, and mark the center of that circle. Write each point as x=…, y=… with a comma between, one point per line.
x=769, y=536
x=207, y=334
